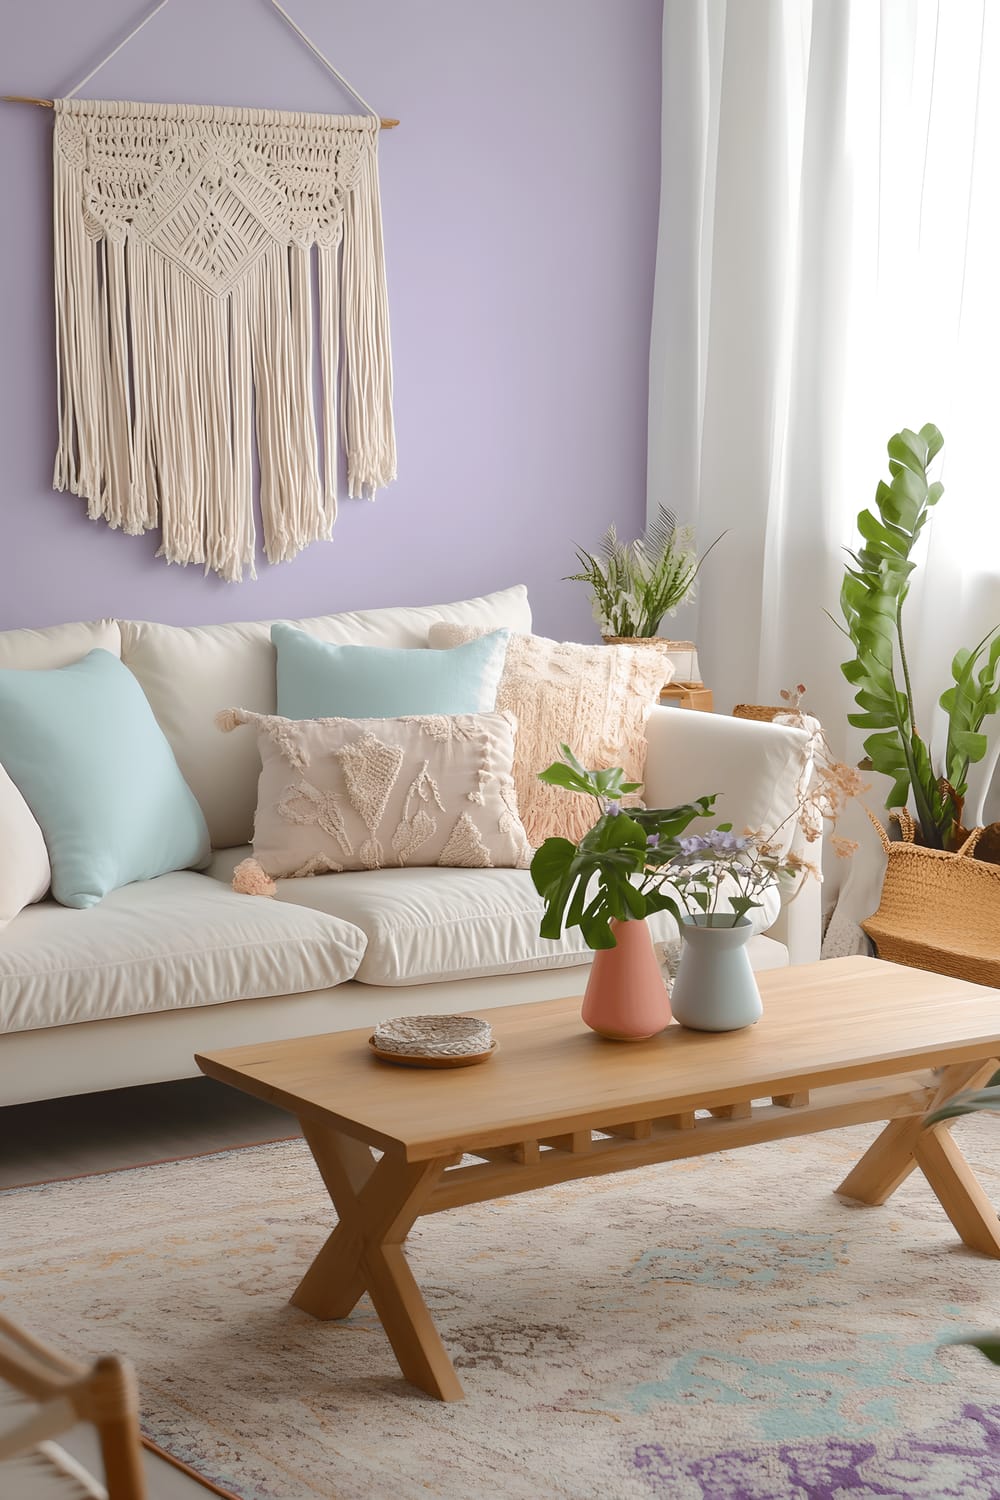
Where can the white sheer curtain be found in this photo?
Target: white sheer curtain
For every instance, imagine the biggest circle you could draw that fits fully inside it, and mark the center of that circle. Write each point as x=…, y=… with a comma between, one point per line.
x=828, y=272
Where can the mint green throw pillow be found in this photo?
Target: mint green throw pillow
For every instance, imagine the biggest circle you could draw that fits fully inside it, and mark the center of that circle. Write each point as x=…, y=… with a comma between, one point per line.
x=84, y=748
x=317, y=680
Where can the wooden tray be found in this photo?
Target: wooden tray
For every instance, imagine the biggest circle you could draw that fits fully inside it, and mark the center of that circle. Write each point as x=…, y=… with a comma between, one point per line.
x=431, y=1060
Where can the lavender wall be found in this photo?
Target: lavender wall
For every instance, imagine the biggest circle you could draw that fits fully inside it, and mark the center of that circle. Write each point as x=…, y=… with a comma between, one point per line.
x=520, y=203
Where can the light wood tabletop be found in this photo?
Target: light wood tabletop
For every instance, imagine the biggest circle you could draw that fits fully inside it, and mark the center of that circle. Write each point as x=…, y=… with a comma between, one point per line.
x=833, y=1022
x=842, y=1042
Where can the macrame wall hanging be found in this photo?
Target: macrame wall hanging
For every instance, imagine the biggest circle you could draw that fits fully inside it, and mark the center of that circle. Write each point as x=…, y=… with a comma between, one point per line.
x=184, y=288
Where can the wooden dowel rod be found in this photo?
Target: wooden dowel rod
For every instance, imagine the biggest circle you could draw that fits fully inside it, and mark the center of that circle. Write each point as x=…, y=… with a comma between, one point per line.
x=50, y=104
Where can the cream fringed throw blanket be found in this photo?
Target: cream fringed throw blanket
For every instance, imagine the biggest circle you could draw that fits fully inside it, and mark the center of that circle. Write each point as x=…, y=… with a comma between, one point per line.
x=184, y=316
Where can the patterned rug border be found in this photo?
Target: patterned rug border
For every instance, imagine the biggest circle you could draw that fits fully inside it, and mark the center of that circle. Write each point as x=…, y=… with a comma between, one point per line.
x=178, y=1463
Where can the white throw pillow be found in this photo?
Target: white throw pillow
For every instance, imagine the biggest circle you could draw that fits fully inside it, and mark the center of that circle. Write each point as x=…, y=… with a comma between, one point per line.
x=363, y=794
x=24, y=861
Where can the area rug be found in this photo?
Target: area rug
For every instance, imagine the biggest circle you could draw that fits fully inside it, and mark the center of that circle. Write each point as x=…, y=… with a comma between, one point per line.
x=719, y=1329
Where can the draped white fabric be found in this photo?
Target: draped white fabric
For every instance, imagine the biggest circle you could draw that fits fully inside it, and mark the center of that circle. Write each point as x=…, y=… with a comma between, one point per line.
x=827, y=273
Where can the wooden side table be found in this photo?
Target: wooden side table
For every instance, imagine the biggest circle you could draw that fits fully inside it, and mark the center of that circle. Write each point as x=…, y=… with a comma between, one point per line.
x=687, y=695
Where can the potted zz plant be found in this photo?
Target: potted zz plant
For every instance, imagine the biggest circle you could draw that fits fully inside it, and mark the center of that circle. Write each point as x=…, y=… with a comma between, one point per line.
x=940, y=906
x=634, y=863
x=874, y=590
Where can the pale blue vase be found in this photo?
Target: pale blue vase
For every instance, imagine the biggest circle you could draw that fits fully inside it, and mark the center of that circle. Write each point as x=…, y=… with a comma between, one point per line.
x=715, y=988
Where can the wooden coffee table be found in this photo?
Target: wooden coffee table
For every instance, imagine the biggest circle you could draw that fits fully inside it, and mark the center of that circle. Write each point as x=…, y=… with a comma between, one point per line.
x=840, y=1043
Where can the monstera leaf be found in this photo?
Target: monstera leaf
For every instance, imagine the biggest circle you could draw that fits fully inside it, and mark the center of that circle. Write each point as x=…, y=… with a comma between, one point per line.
x=606, y=875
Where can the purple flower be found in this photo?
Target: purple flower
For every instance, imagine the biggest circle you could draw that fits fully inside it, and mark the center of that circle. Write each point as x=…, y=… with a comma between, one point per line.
x=652, y=840
x=726, y=843
x=612, y=809
x=695, y=843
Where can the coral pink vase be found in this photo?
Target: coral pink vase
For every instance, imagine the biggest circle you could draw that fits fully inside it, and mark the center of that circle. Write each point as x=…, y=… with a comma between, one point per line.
x=626, y=997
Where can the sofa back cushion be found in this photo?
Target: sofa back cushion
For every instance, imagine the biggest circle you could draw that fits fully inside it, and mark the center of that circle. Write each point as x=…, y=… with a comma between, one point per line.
x=58, y=645
x=24, y=860
x=189, y=673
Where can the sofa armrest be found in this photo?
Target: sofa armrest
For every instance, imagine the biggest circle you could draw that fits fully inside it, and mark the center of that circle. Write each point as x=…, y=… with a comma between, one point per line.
x=759, y=771
x=756, y=768
x=799, y=923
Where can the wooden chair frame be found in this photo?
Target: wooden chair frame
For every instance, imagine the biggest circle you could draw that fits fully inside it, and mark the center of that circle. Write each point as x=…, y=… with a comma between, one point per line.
x=67, y=1392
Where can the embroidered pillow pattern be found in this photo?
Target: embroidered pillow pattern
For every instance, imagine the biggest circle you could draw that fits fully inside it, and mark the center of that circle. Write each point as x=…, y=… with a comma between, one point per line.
x=368, y=794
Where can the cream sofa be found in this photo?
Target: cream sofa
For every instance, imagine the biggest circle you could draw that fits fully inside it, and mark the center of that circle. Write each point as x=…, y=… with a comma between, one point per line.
x=127, y=991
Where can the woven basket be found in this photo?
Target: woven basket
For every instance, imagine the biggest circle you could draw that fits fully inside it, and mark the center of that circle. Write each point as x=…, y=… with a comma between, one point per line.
x=761, y=711
x=939, y=910
x=434, y=1036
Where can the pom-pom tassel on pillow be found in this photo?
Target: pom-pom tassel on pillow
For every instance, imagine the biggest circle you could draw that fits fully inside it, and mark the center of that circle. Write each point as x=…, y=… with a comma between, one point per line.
x=229, y=718
x=250, y=879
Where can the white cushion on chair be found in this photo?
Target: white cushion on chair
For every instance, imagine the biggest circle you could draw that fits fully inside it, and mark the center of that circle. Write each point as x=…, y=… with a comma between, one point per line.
x=46, y=1472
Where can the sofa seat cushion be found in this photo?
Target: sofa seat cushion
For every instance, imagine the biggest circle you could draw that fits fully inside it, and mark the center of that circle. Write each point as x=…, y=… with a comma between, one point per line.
x=436, y=923
x=181, y=940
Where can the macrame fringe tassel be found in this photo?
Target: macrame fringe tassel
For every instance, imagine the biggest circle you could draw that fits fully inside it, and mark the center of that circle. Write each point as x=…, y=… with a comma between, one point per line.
x=163, y=368
x=366, y=377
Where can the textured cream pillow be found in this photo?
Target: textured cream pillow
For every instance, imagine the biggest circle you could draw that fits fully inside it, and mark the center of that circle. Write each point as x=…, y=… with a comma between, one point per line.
x=24, y=861
x=596, y=699
x=361, y=794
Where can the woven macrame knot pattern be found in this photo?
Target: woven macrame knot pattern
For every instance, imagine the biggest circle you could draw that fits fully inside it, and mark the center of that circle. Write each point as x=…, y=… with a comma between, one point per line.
x=184, y=291
x=211, y=194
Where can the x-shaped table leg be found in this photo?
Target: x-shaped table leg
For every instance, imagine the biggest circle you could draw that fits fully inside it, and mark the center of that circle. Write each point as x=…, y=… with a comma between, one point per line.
x=376, y=1205
x=906, y=1143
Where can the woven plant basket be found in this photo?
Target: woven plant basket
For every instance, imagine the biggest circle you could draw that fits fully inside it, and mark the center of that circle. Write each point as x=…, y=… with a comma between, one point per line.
x=939, y=910
x=762, y=711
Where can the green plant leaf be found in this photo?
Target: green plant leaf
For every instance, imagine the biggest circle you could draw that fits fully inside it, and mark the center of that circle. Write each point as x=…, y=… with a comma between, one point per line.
x=567, y=778
x=972, y=746
x=883, y=720
x=886, y=536
x=986, y=1343
x=969, y=1103
x=933, y=439
x=570, y=759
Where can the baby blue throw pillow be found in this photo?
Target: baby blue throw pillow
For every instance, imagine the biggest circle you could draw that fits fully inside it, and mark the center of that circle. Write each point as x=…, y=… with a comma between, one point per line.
x=83, y=746
x=317, y=680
